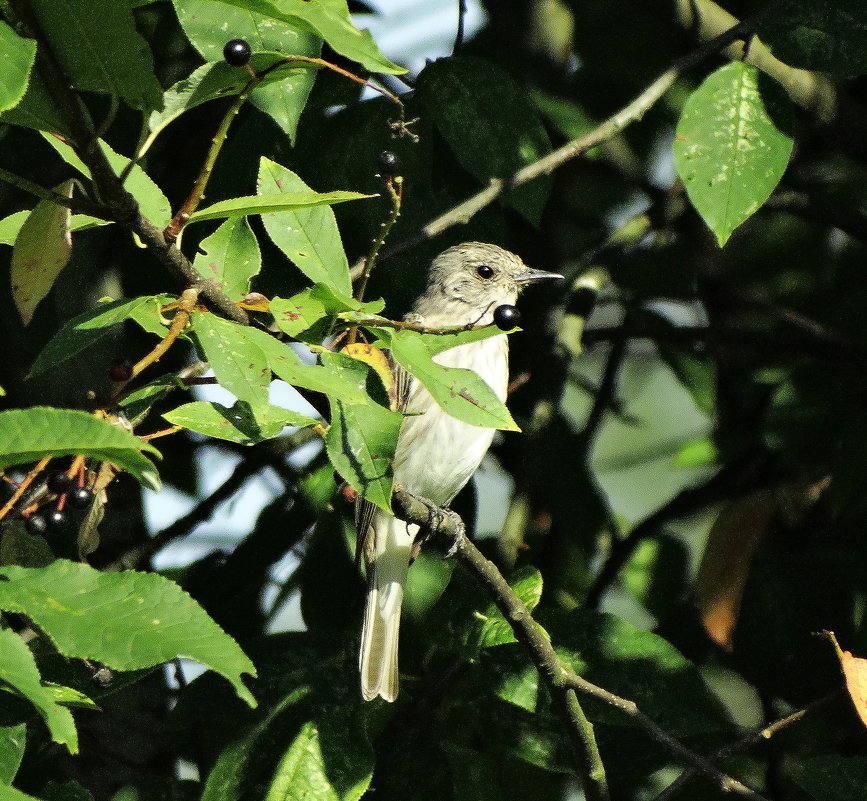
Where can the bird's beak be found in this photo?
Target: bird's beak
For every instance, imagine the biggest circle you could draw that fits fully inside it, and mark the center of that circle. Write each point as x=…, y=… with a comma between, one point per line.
x=529, y=276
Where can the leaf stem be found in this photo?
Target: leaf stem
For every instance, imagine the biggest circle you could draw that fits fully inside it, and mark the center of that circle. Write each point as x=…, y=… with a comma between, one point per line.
x=395, y=193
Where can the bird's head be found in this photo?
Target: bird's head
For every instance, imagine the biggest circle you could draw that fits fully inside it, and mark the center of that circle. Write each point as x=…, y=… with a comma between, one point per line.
x=468, y=281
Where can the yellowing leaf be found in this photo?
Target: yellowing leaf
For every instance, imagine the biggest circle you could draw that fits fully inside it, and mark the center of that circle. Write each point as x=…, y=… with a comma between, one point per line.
x=725, y=563
x=855, y=673
x=376, y=358
x=42, y=249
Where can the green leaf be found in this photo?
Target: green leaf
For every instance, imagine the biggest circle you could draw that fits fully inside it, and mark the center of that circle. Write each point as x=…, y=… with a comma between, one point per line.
x=437, y=343
x=18, y=670
x=730, y=150
x=638, y=665
x=88, y=328
x=283, y=93
x=13, y=739
x=831, y=777
x=490, y=124
x=269, y=204
x=11, y=225
x=126, y=620
x=99, y=49
x=361, y=440
x=308, y=236
x=328, y=19
x=152, y=202
x=230, y=256
x=17, y=55
x=298, y=313
x=309, y=762
x=348, y=385
x=240, y=423
x=19, y=547
x=36, y=109
x=11, y=794
x=42, y=249
x=238, y=363
x=459, y=392
x=828, y=37
x=27, y=435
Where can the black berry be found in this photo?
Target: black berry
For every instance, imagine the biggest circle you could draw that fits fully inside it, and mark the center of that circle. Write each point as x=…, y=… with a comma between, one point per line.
x=237, y=52
x=35, y=523
x=58, y=482
x=103, y=677
x=120, y=370
x=506, y=317
x=388, y=163
x=80, y=498
x=56, y=519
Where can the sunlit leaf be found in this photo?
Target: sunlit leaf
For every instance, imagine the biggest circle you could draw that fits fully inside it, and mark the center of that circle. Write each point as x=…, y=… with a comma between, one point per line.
x=308, y=236
x=152, y=620
x=269, y=204
x=42, y=249
x=18, y=670
x=230, y=256
x=16, y=61
x=240, y=423
x=27, y=435
x=732, y=146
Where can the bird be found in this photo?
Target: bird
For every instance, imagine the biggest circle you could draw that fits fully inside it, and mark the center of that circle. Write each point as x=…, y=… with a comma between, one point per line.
x=436, y=454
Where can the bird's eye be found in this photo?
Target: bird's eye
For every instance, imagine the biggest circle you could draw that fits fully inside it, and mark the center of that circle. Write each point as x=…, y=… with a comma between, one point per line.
x=485, y=271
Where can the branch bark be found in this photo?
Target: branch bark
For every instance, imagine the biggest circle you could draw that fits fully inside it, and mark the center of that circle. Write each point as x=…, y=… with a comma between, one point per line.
x=562, y=682
x=116, y=202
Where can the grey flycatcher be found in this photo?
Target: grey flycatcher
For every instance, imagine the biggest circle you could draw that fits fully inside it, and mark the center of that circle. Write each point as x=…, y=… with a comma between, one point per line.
x=436, y=453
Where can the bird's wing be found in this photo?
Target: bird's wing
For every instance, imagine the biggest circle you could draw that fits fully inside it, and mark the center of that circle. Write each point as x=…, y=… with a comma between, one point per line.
x=365, y=510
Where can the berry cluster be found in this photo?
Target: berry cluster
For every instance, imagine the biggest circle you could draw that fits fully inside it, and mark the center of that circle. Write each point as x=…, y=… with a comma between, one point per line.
x=68, y=494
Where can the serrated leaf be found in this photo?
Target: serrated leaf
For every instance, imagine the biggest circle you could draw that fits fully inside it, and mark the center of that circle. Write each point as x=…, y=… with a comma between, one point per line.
x=99, y=49
x=283, y=93
x=12, y=742
x=328, y=19
x=238, y=363
x=18, y=670
x=152, y=202
x=730, y=150
x=230, y=257
x=297, y=314
x=361, y=439
x=17, y=55
x=240, y=423
x=827, y=37
x=489, y=123
x=460, y=392
x=42, y=249
x=87, y=329
x=11, y=225
x=126, y=620
x=11, y=794
x=488, y=626
x=27, y=435
x=308, y=762
x=36, y=109
x=269, y=204
x=347, y=385
x=308, y=236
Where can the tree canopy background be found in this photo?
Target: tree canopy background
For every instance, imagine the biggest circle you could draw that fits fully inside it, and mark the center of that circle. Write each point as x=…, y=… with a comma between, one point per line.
x=683, y=513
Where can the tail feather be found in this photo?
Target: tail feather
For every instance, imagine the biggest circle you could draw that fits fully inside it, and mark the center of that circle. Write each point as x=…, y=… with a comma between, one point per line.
x=386, y=580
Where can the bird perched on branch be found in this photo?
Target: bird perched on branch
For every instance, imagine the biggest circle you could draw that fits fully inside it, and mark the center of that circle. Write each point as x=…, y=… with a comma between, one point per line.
x=436, y=454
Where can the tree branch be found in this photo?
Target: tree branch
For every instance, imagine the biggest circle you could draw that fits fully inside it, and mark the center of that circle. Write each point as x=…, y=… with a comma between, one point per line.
x=562, y=682
x=632, y=112
x=117, y=203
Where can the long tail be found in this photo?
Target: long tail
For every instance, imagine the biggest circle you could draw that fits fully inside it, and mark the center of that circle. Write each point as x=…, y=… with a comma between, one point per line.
x=386, y=578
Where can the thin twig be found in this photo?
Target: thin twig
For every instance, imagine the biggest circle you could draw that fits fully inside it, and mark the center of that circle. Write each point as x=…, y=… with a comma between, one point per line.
x=763, y=735
x=558, y=677
x=629, y=114
x=78, y=205
x=394, y=187
x=22, y=487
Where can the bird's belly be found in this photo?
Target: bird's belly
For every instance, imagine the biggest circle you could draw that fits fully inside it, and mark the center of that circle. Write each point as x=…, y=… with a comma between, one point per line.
x=437, y=453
